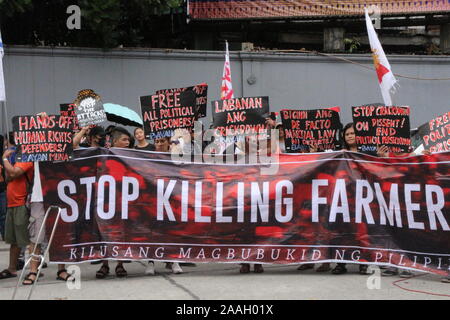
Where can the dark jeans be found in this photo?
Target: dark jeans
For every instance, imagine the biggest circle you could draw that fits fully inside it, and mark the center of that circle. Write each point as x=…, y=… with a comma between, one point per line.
x=2, y=213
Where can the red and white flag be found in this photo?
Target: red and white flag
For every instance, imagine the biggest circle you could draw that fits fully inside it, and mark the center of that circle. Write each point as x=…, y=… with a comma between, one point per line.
x=385, y=76
x=226, y=91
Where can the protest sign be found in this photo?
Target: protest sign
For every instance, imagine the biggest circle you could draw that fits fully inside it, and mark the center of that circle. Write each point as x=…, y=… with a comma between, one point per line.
x=319, y=128
x=382, y=125
x=163, y=113
x=196, y=95
x=89, y=108
x=68, y=110
x=324, y=207
x=43, y=138
x=435, y=134
x=240, y=116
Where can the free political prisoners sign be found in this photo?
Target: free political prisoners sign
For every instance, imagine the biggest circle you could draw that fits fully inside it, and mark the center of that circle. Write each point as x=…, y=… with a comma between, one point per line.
x=68, y=110
x=435, y=134
x=302, y=128
x=195, y=94
x=336, y=207
x=382, y=125
x=165, y=112
x=240, y=116
x=40, y=138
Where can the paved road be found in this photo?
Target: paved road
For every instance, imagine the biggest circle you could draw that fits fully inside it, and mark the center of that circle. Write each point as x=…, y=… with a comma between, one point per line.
x=224, y=282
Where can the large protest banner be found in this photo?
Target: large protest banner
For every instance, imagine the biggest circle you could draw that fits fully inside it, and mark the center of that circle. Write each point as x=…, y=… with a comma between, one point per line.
x=167, y=111
x=68, y=110
x=43, y=138
x=382, y=125
x=435, y=134
x=195, y=95
x=89, y=108
x=240, y=116
x=305, y=128
x=336, y=207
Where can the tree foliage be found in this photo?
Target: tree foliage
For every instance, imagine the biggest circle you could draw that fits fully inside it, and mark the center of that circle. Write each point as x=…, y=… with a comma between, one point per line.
x=104, y=23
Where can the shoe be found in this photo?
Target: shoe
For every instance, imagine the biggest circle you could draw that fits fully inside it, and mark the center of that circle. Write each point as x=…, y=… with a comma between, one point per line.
x=390, y=272
x=169, y=265
x=305, y=266
x=258, y=268
x=339, y=269
x=245, y=268
x=150, y=269
x=96, y=262
x=405, y=274
x=446, y=280
x=176, y=269
x=324, y=267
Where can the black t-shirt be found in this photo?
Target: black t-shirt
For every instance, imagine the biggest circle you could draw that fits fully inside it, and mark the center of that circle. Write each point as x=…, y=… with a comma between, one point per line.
x=149, y=147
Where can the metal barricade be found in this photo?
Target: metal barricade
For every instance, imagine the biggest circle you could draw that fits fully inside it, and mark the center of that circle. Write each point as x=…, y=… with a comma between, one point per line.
x=38, y=256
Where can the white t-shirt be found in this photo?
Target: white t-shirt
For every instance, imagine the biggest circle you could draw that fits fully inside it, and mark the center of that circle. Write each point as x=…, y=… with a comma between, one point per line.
x=36, y=194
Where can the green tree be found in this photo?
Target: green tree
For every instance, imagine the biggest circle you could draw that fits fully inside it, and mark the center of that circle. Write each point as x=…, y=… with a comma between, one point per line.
x=104, y=23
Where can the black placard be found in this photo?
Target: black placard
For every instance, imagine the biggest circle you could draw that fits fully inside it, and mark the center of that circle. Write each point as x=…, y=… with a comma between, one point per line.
x=382, y=125
x=435, y=134
x=240, y=116
x=43, y=138
x=303, y=128
x=89, y=108
x=68, y=110
x=195, y=94
x=165, y=112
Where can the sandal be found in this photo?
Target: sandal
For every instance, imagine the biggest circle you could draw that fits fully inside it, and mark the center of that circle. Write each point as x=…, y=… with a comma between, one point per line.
x=339, y=269
x=28, y=281
x=102, y=273
x=58, y=275
x=5, y=274
x=306, y=266
x=445, y=280
x=324, y=267
x=121, y=272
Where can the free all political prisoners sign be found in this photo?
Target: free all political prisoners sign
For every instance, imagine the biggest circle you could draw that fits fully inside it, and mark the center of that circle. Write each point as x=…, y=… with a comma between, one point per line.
x=435, y=134
x=240, y=116
x=322, y=207
x=41, y=138
x=382, y=125
x=89, y=108
x=169, y=110
x=197, y=94
x=303, y=128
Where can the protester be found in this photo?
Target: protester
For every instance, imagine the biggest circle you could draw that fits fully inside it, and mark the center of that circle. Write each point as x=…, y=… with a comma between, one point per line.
x=163, y=145
x=96, y=137
x=120, y=138
x=142, y=143
x=383, y=151
x=348, y=138
x=17, y=216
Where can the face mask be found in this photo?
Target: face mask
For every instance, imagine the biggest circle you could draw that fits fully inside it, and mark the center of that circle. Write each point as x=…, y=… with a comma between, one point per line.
x=102, y=142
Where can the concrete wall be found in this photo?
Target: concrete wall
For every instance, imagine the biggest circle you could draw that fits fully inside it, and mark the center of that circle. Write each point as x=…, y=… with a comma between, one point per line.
x=39, y=79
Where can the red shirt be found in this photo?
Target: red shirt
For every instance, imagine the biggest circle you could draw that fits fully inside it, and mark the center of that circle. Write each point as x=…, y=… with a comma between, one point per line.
x=16, y=190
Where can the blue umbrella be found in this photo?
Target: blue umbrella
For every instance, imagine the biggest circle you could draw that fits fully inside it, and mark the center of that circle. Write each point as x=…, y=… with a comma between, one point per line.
x=122, y=115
